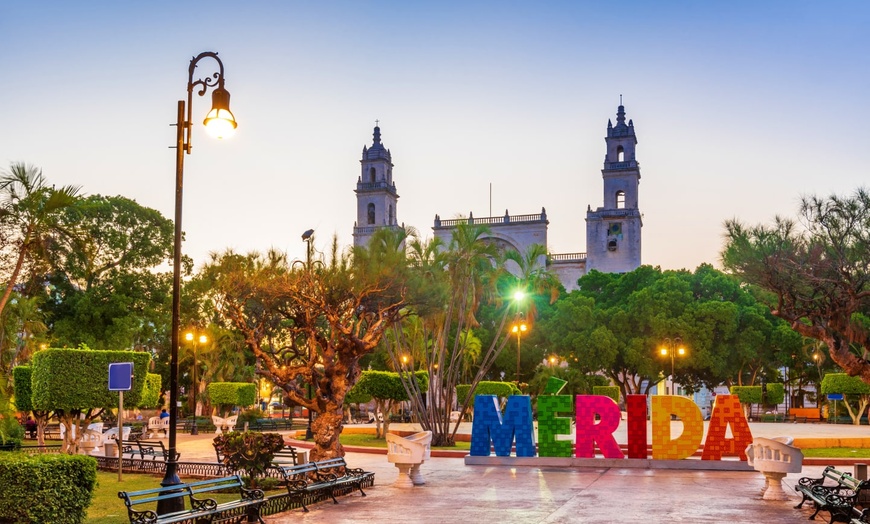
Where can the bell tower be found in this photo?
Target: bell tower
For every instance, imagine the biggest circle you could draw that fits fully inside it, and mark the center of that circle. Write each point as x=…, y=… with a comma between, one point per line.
x=613, y=232
x=375, y=191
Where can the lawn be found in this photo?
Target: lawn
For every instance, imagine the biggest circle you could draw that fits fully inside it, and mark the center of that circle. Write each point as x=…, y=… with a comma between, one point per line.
x=107, y=508
x=368, y=440
x=837, y=452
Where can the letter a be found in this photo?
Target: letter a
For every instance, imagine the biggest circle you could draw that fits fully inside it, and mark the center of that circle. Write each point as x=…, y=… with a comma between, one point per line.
x=727, y=410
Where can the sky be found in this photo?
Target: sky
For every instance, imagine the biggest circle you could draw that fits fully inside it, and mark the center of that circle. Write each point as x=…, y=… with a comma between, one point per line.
x=740, y=109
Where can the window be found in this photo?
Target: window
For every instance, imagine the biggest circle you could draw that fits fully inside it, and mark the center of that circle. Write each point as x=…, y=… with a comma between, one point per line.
x=620, y=200
x=620, y=154
x=391, y=215
x=372, y=175
x=371, y=214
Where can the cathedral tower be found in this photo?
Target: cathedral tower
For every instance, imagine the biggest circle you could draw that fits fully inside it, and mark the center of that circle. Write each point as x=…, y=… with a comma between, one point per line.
x=613, y=231
x=375, y=192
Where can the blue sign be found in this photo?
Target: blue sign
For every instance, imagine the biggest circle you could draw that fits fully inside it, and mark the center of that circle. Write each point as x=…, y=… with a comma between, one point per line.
x=835, y=396
x=121, y=376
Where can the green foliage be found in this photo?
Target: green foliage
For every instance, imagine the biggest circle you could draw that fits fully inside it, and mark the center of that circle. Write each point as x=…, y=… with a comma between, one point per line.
x=499, y=389
x=46, y=488
x=77, y=379
x=151, y=391
x=11, y=433
x=386, y=385
x=775, y=393
x=843, y=383
x=249, y=451
x=250, y=416
x=22, y=388
x=356, y=395
x=607, y=391
x=747, y=394
x=232, y=393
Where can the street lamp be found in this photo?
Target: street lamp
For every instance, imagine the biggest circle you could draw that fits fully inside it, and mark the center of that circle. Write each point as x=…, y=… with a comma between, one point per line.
x=307, y=236
x=519, y=328
x=202, y=339
x=672, y=347
x=220, y=123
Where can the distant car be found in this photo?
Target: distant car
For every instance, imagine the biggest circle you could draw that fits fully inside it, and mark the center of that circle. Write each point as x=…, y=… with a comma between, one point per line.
x=276, y=405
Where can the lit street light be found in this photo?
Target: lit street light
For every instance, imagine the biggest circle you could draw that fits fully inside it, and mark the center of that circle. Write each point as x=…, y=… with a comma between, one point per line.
x=307, y=237
x=202, y=339
x=672, y=347
x=221, y=123
x=519, y=328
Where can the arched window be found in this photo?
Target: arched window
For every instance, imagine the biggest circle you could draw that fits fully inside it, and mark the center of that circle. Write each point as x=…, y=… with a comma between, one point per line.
x=620, y=154
x=620, y=200
x=371, y=214
x=372, y=175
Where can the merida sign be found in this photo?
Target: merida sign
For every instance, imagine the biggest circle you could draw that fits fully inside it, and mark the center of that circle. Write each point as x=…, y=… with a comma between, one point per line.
x=597, y=417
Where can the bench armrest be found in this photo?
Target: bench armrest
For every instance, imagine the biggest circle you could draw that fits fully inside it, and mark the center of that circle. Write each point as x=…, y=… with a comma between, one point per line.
x=202, y=504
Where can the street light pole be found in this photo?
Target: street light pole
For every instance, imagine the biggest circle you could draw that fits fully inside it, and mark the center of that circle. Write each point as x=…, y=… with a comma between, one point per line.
x=672, y=347
x=221, y=122
x=306, y=237
x=194, y=430
x=519, y=328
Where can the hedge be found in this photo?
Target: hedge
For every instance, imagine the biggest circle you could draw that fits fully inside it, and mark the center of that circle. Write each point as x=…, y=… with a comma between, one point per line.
x=21, y=376
x=46, y=488
x=232, y=393
x=386, y=385
x=747, y=394
x=151, y=391
x=775, y=393
x=499, y=389
x=607, y=391
x=73, y=379
x=843, y=383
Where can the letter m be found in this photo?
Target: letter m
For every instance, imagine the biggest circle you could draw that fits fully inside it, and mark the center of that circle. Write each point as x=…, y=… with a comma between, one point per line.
x=490, y=426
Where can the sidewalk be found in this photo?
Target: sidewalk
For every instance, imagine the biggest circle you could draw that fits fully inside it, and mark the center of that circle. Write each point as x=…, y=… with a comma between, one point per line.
x=458, y=493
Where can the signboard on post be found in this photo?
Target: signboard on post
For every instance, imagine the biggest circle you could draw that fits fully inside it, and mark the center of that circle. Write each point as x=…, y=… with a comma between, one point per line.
x=835, y=396
x=120, y=380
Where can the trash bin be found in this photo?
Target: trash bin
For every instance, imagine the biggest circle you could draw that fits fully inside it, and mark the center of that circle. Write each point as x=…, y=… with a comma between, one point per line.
x=111, y=449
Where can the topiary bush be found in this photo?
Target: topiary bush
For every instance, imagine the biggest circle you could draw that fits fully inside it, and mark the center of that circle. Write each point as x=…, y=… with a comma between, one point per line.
x=775, y=393
x=151, y=391
x=607, y=391
x=46, y=488
x=226, y=394
x=747, y=394
x=249, y=451
x=499, y=389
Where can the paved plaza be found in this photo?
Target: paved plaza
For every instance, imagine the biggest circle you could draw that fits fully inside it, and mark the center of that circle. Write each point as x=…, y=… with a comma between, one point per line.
x=455, y=492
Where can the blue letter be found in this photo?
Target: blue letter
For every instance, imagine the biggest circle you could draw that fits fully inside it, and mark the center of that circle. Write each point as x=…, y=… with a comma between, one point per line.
x=488, y=426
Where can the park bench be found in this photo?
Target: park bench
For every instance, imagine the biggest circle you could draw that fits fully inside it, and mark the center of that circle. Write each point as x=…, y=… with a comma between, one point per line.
x=149, y=448
x=141, y=504
x=839, y=498
x=805, y=414
x=326, y=476
x=52, y=432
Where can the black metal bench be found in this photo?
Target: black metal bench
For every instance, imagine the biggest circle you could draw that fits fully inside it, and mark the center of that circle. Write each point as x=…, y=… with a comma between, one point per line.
x=141, y=505
x=313, y=478
x=147, y=448
x=839, y=498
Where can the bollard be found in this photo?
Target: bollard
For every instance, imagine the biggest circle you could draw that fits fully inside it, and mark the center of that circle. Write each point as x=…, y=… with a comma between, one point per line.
x=861, y=471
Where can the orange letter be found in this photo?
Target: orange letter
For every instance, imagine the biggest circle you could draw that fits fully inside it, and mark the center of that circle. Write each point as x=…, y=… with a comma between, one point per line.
x=663, y=447
x=727, y=410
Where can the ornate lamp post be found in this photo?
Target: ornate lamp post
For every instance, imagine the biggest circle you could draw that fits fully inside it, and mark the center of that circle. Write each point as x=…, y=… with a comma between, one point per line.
x=202, y=339
x=221, y=123
x=307, y=237
x=672, y=347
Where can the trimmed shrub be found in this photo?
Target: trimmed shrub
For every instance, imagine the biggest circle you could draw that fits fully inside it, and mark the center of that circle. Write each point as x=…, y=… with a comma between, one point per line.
x=151, y=391
x=747, y=394
x=607, y=391
x=22, y=388
x=77, y=379
x=775, y=393
x=842, y=383
x=226, y=394
x=499, y=389
x=46, y=488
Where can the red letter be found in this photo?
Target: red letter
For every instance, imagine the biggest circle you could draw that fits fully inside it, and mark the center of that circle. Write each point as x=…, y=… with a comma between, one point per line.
x=636, y=405
x=589, y=433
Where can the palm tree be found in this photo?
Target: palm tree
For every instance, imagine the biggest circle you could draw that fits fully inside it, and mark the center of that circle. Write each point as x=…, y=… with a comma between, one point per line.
x=33, y=210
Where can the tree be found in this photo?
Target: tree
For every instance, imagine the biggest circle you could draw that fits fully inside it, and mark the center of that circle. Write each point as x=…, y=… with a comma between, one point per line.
x=73, y=384
x=32, y=210
x=228, y=394
x=814, y=271
x=23, y=392
x=308, y=324
x=853, y=389
x=387, y=390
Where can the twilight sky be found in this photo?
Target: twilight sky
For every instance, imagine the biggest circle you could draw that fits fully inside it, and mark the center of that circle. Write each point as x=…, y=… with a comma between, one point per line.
x=740, y=108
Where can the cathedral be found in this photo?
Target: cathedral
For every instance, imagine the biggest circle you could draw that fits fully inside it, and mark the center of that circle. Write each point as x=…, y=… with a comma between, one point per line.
x=613, y=231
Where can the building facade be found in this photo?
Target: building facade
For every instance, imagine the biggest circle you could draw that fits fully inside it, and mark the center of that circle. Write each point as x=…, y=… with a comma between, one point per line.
x=613, y=231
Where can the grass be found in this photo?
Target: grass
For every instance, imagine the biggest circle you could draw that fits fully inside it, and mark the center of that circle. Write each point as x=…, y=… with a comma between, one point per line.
x=107, y=508
x=368, y=440
x=837, y=452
